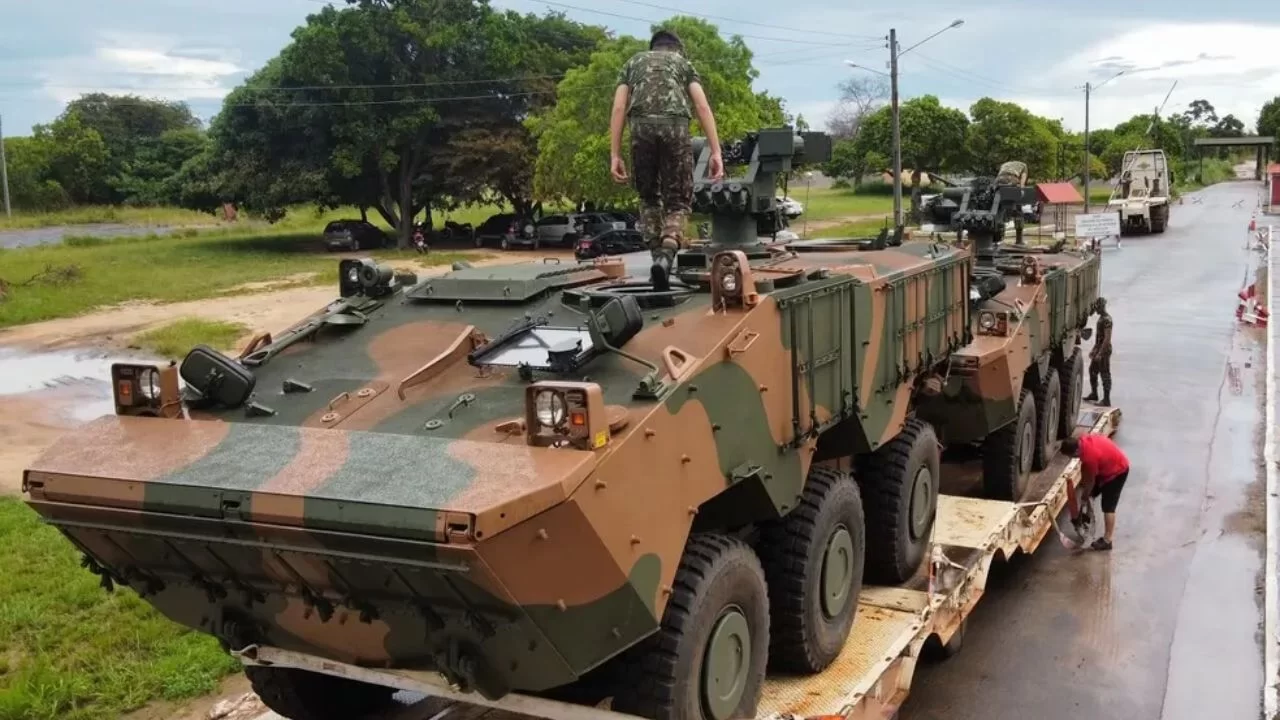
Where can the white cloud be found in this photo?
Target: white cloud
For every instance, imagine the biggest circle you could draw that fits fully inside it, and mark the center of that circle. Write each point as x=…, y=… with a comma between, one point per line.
x=148, y=65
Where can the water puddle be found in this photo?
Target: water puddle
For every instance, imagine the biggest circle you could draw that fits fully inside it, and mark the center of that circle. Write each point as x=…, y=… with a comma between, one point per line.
x=75, y=383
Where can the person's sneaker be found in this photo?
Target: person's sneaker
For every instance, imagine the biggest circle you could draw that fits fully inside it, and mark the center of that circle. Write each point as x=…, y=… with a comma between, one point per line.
x=1101, y=544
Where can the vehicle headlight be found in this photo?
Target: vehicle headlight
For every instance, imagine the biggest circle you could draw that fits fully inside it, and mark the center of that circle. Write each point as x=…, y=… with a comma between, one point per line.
x=729, y=282
x=987, y=320
x=353, y=274
x=549, y=407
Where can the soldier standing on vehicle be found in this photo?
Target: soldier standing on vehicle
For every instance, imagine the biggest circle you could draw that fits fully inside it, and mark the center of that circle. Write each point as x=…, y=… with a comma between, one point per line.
x=1100, y=355
x=1103, y=470
x=658, y=90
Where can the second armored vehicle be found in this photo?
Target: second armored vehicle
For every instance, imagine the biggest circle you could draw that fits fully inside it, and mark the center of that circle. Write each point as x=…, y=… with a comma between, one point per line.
x=1141, y=197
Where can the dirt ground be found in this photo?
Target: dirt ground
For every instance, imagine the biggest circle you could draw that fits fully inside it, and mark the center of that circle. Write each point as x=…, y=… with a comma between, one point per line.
x=30, y=422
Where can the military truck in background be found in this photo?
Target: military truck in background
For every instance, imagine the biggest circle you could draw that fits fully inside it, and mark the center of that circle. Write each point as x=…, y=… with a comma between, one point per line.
x=536, y=479
x=1015, y=389
x=1141, y=196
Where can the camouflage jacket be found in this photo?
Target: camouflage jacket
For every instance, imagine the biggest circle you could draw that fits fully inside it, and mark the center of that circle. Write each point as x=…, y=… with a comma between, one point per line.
x=659, y=82
x=1103, y=341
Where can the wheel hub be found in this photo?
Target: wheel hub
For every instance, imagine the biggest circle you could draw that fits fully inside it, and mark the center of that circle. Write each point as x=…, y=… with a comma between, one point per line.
x=1024, y=447
x=725, y=667
x=837, y=572
x=921, y=494
x=1051, y=432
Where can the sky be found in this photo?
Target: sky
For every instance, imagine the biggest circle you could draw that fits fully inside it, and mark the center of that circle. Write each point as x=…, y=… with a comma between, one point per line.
x=1032, y=52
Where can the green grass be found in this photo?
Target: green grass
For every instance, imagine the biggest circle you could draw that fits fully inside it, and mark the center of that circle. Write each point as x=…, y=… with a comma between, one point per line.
x=92, y=214
x=860, y=228
x=304, y=217
x=828, y=203
x=70, y=650
x=53, y=281
x=177, y=338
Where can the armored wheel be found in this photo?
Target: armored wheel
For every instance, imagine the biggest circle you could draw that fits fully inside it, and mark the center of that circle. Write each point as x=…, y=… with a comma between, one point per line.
x=1072, y=382
x=707, y=660
x=813, y=559
x=302, y=695
x=1007, y=454
x=1049, y=412
x=899, y=484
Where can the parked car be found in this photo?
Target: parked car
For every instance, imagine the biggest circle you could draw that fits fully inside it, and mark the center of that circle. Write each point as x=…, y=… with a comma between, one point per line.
x=791, y=208
x=1031, y=212
x=507, y=230
x=622, y=216
x=566, y=229
x=610, y=242
x=353, y=235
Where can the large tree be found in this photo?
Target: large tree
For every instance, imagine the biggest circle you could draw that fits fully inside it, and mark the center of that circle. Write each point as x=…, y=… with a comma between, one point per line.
x=371, y=104
x=932, y=139
x=1003, y=131
x=573, y=137
x=1269, y=118
x=859, y=97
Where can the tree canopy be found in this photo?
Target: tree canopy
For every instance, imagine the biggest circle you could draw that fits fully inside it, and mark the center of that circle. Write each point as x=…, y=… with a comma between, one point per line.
x=573, y=136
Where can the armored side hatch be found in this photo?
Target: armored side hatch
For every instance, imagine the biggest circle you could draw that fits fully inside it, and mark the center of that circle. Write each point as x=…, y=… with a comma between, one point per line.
x=519, y=283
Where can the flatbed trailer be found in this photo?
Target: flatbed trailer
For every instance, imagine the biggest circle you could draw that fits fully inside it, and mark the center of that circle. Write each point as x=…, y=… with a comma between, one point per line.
x=872, y=676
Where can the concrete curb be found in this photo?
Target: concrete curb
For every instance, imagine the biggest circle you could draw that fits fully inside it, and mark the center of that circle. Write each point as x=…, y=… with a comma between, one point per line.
x=1271, y=608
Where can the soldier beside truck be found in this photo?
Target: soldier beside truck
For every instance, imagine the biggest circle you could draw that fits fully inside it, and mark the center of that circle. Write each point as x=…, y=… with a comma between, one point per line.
x=562, y=480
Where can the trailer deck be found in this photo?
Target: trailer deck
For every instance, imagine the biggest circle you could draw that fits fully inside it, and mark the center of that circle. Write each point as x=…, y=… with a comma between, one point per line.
x=872, y=676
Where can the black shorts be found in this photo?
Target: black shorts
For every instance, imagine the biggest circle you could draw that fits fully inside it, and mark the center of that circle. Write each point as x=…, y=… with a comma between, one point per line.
x=1110, y=492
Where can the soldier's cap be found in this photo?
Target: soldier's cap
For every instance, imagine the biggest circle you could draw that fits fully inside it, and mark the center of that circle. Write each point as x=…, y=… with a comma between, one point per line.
x=666, y=37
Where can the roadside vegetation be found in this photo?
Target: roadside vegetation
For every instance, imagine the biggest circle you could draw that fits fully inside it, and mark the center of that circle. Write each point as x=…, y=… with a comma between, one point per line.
x=95, y=214
x=53, y=281
x=178, y=337
x=69, y=650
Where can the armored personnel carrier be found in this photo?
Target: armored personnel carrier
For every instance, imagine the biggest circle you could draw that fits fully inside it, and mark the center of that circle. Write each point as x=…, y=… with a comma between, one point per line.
x=541, y=477
x=1016, y=388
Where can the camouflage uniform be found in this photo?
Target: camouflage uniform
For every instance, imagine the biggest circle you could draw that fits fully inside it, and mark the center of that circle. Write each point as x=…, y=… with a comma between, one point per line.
x=661, y=149
x=1100, y=356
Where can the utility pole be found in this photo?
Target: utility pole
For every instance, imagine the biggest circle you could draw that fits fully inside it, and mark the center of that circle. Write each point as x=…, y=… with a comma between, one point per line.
x=1086, y=148
x=4, y=172
x=897, y=129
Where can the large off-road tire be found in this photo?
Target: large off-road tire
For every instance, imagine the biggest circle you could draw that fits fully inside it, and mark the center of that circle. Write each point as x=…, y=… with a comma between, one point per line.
x=707, y=661
x=1008, y=452
x=1049, y=417
x=899, y=484
x=1159, y=218
x=1072, y=381
x=302, y=695
x=813, y=559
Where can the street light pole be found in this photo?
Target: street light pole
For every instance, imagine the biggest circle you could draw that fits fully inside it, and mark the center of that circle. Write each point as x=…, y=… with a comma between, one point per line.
x=4, y=173
x=894, y=54
x=897, y=129
x=1088, y=88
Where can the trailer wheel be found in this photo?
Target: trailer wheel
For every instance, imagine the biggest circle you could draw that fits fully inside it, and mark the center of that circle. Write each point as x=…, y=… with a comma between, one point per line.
x=303, y=695
x=707, y=660
x=1008, y=452
x=899, y=484
x=813, y=559
x=936, y=651
x=1072, y=380
x=1049, y=410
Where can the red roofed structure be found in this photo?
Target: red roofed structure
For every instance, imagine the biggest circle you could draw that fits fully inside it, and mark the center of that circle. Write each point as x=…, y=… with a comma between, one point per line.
x=1061, y=193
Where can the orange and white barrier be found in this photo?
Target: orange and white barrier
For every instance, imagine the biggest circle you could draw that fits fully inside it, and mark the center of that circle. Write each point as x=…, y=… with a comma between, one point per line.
x=1249, y=309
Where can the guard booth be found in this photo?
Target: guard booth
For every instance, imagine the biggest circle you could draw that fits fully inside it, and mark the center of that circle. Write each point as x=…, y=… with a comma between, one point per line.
x=1064, y=200
x=1273, y=187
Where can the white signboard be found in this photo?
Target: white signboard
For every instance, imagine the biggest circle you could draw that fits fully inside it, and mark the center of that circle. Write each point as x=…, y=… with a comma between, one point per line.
x=1095, y=225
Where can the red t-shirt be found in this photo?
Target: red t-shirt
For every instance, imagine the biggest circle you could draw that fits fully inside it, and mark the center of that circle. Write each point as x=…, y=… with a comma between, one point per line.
x=1102, y=457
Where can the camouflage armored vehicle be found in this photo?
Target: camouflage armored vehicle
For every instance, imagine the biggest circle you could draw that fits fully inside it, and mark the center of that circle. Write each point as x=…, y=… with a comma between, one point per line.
x=540, y=477
x=1016, y=388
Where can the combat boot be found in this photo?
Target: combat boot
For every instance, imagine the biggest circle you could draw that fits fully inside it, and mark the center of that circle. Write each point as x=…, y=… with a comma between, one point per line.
x=664, y=260
x=1092, y=396
x=1106, y=400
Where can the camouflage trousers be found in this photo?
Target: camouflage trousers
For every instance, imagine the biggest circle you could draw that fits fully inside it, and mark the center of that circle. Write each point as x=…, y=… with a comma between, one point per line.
x=1100, y=365
x=662, y=162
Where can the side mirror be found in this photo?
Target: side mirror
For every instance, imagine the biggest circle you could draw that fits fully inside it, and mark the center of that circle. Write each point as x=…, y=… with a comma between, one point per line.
x=217, y=379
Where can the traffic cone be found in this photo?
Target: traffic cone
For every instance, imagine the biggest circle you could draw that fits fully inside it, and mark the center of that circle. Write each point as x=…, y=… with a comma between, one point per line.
x=1253, y=225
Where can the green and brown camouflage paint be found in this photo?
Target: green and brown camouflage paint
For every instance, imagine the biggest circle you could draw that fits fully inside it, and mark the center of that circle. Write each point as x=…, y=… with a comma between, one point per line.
x=396, y=516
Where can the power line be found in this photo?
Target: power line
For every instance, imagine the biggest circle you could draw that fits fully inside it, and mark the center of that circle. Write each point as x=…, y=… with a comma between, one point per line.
x=970, y=76
x=771, y=26
x=655, y=22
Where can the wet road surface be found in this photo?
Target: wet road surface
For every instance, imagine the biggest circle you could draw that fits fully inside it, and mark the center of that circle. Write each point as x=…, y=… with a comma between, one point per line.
x=1167, y=624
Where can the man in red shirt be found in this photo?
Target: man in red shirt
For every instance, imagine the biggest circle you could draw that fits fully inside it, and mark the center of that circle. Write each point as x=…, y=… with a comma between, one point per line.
x=1103, y=470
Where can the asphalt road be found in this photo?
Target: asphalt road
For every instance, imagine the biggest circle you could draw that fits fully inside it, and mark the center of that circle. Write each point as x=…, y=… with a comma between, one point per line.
x=1167, y=624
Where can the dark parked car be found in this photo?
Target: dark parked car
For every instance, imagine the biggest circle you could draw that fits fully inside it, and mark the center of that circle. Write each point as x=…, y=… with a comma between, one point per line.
x=353, y=235
x=507, y=230
x=610, y=242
